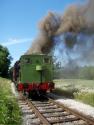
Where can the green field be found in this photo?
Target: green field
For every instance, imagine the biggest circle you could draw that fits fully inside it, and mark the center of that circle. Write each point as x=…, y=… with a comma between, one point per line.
x=9, y=110
x=79, y=89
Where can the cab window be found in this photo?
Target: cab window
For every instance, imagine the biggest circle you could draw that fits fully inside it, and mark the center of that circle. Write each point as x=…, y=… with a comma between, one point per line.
x=27, y=60
x=46, y=60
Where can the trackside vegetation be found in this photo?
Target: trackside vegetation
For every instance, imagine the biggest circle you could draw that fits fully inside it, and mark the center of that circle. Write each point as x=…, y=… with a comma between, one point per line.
x=79, y=89
x=9, y=110
x=5, y=61
x=86, y=97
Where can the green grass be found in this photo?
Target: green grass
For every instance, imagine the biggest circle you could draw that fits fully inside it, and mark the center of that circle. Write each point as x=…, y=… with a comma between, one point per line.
x=85, y=97
x=78, y=89
x=9, y=110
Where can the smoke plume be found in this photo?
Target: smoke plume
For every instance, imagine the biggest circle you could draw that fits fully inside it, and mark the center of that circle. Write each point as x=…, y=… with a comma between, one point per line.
x=77, y=19
x=48, y=27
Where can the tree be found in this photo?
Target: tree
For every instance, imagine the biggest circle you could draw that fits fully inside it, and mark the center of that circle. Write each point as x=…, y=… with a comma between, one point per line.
x=5, y=60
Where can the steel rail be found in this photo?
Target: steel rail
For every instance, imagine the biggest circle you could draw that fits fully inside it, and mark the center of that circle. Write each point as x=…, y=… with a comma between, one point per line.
x=46, y=121
x=86, y=118
x=38, y=114
x=35, y=110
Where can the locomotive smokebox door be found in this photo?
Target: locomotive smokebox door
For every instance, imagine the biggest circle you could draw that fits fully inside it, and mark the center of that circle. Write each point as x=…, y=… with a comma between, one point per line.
x=39, y=68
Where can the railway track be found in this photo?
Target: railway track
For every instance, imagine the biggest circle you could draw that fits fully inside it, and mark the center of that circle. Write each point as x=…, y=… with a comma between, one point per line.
x=49, y=112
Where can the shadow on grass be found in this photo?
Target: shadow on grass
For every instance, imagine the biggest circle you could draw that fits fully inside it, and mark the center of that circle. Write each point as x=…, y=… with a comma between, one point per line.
x=65, y=93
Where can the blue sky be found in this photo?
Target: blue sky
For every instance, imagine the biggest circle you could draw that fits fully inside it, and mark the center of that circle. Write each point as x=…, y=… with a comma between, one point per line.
x=19, y=21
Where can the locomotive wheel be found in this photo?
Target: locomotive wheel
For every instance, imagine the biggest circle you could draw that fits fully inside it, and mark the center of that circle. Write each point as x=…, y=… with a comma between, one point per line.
x=33, y=94
x=36, y=94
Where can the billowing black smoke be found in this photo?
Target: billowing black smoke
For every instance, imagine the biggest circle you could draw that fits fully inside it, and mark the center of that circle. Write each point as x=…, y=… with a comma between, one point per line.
x=75, y=26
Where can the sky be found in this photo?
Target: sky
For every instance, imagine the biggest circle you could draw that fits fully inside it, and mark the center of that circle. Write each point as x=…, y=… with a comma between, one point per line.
x=19, y=22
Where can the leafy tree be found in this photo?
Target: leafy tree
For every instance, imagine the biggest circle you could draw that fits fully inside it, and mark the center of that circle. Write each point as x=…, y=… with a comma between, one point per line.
x=5, y=60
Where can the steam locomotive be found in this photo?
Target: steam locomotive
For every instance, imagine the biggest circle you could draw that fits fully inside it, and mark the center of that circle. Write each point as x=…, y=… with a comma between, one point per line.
x=33, y=74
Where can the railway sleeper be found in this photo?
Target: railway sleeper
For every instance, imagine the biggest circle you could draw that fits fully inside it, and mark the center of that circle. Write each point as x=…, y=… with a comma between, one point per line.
x=53, y=120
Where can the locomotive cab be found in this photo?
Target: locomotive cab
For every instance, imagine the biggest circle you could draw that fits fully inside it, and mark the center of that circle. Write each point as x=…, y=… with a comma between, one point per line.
x=36, y=73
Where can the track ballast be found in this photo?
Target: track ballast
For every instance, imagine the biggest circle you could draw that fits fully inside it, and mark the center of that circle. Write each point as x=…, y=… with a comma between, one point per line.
x=49, y=112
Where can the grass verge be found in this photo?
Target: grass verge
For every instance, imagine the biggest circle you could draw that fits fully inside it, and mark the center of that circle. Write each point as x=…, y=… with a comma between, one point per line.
x=85, y=97
x=9, y=110
x=82, y=90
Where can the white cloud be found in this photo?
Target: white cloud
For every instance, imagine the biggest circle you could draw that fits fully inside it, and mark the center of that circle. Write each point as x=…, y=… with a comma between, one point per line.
x=13, y=41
